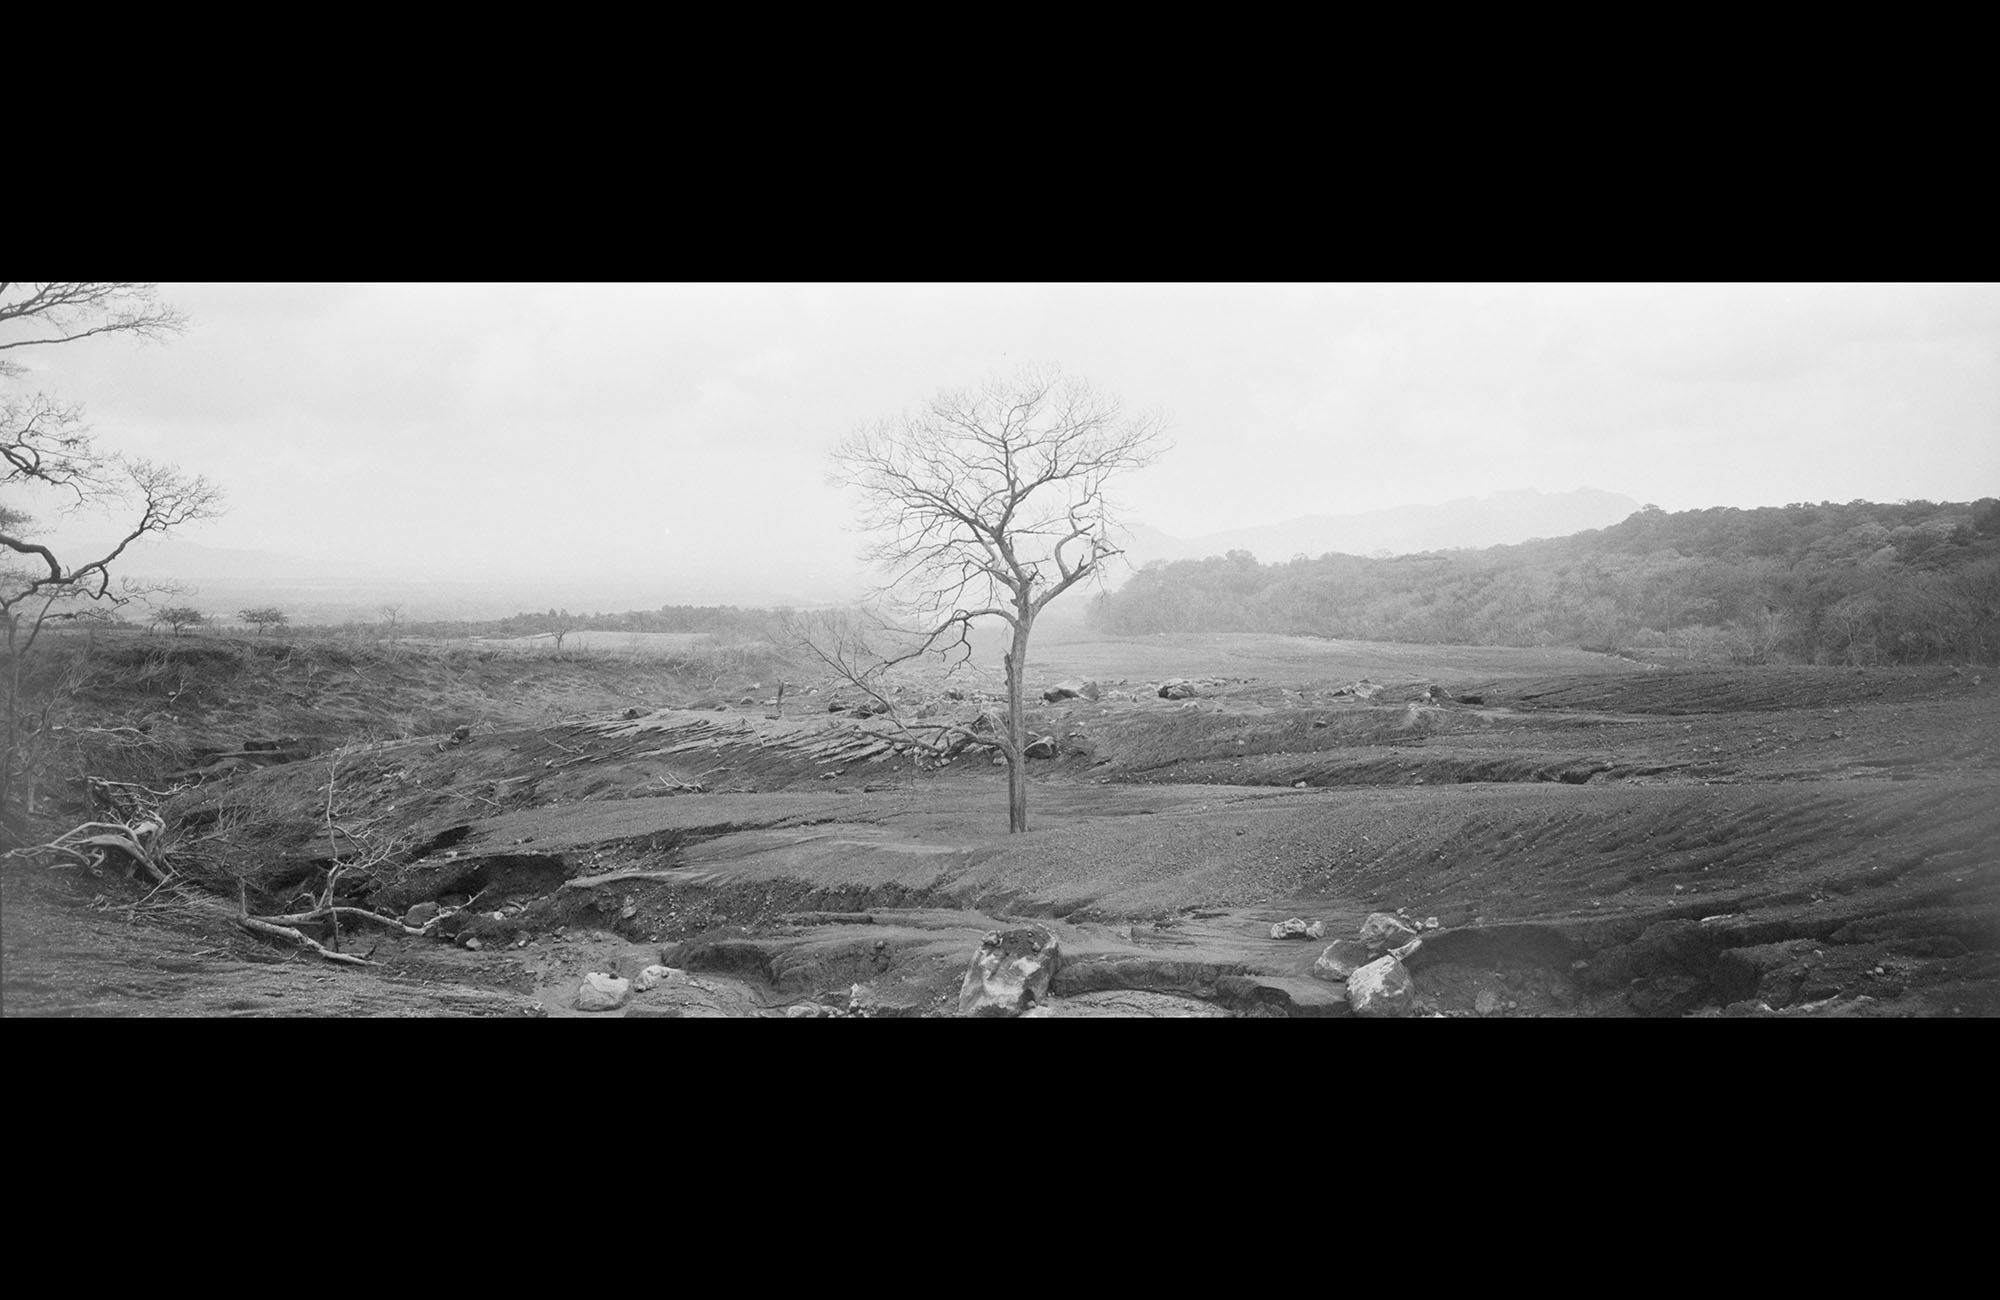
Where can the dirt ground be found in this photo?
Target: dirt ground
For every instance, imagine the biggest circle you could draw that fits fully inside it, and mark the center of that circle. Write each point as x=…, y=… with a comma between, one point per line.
x=1574, y=835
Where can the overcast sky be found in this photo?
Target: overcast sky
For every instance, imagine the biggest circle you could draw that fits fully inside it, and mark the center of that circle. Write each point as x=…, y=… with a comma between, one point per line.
x=680, y=431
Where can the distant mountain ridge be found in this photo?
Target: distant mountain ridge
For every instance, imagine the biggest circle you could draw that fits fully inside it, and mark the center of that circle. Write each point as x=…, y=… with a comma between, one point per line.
x=1498, y=519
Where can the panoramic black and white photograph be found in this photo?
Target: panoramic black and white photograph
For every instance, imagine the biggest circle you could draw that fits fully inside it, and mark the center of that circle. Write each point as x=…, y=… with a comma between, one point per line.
x=1138, y=650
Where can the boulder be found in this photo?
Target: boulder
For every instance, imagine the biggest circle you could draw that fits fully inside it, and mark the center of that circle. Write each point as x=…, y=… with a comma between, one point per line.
x=600, y=992
x=1298, y=929
x=1010, y=973
x=654, y=976
x=1178, y=689
x=1341, y=959
x=1383, y=931
x=1381, y=988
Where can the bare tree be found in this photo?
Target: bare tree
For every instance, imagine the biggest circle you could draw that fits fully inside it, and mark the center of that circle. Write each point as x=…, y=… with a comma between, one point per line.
x=392, y=619
x=991, y=502
x=47, y=450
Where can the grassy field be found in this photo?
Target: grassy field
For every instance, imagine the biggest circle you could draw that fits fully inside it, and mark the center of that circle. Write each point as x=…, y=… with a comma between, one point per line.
x=636, y=644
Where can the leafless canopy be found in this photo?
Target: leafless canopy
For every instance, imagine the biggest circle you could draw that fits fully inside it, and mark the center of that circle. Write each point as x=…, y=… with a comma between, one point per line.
x=992, y=500
x=41, y=314
x=45, y=445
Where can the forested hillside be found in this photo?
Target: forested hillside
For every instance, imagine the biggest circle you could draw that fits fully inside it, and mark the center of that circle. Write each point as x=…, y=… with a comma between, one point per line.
x=1861, y=583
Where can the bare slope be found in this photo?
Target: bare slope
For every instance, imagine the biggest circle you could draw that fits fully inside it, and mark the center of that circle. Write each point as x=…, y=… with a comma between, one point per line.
x=1594, y=839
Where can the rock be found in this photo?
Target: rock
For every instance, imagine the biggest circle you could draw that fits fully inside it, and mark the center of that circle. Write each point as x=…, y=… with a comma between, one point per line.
x=1487, y=1002
x=654, y=976
x=421, y=914
x=1407, y=951
x=1178, y=689
x=473, y=945
x=1010, y=973
x=1042, y=747
x=1341, y=959
x=1298, y=929
x=602, y=992
x=1381, y=988
x=1383, y=931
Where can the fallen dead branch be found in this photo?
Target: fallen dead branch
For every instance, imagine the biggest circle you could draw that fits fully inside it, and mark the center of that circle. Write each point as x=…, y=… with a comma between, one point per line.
x=92, y=844
x=257, y=925
x=350, y=913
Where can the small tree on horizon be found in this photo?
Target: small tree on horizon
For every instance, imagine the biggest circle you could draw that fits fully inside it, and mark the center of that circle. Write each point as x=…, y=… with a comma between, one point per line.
x=262, y=619
x=990, y=502
x=179, y=618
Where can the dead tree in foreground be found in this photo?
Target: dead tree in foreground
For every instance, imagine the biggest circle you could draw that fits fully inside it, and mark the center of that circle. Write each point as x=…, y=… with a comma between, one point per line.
x=990, y=502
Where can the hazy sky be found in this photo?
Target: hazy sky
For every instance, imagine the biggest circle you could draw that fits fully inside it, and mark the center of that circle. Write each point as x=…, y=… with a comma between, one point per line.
x=679, y=431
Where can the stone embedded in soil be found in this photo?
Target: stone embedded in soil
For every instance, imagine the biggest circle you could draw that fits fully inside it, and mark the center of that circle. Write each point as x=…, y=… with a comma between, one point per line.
x=654, y=976
x=1487, y=1002
x=1341, y=959
x=600, y=992
x=420, y=915
x=1384, y=930
x=1009, y=974
x=1381, y=988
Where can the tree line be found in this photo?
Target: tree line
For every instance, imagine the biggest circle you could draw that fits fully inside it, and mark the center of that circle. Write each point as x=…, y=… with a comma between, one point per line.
x=1860, y=583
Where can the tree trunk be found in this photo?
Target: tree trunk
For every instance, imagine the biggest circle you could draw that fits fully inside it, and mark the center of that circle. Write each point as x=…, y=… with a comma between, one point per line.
x=1017, y=739
x=13, y=704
